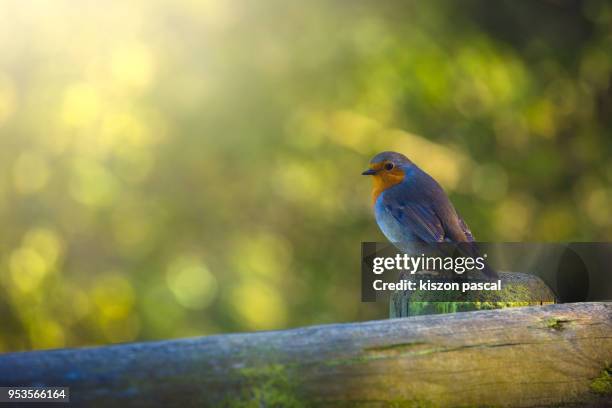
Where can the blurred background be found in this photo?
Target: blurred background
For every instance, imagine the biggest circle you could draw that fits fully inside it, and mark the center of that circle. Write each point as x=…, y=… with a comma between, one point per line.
x=182, y=168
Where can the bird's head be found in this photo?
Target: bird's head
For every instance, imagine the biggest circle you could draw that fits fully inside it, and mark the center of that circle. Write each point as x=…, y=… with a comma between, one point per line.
x=387, y=169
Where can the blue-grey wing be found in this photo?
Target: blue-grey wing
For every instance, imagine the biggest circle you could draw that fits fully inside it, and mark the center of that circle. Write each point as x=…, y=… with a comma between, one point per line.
x=421, y=204
x=420, y=218
x=466, y=230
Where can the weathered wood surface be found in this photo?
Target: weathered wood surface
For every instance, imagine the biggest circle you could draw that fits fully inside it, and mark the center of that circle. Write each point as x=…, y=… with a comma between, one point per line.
x=518, y=289
x=518, y=357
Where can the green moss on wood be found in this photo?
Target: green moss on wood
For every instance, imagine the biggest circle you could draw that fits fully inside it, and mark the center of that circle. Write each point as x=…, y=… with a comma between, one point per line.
x=268, y=386
x=421, y=403
x=412, y=403
x=602, y=384
x=517, y=290
x=425, y=308
x=556, y=323
x=397, y=346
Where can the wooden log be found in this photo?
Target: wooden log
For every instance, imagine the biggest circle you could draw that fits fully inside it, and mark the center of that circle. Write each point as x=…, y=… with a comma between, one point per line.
x=518, y=289
x=518, y=357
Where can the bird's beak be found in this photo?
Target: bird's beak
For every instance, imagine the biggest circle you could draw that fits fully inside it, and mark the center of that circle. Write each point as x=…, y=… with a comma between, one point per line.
x=369, y=172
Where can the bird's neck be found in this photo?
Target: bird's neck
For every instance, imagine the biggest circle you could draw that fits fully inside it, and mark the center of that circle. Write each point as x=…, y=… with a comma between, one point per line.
x=382, y=182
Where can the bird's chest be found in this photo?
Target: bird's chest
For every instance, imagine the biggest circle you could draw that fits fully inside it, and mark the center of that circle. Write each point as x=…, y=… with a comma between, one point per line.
x=391, y=227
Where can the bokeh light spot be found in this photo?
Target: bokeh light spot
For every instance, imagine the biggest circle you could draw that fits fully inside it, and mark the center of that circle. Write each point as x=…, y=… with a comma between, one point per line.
x=513, y=218
x=259, y=305
x=28, y=268
x=81, y=105
x=46, y=242
x=490, y=182
x=192, y=284
x=46, y=334
x=265, y=254
x=92, y=184
x=113, y=296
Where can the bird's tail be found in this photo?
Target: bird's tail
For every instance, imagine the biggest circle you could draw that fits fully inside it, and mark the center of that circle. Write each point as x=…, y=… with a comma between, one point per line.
x=470, y=249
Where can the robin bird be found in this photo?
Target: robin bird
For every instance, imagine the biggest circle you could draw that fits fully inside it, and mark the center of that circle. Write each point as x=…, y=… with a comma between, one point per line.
x=411, y=207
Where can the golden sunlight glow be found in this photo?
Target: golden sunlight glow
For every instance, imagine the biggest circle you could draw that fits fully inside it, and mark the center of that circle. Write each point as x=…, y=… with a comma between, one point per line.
x=133, y=65
x=81, y=105
x=8, y=97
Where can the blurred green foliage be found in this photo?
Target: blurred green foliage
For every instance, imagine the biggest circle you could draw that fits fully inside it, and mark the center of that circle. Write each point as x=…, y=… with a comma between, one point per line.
x=179, y=168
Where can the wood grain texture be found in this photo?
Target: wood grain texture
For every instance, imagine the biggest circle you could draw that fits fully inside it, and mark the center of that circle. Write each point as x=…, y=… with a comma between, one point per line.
x=518, y=357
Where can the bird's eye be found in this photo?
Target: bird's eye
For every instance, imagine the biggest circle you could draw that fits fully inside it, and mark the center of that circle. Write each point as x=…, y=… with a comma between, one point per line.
x=389, y=166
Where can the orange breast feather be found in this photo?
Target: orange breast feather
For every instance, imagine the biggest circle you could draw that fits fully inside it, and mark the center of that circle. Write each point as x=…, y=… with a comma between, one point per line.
x=385, y=179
